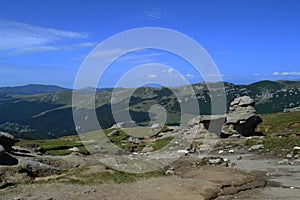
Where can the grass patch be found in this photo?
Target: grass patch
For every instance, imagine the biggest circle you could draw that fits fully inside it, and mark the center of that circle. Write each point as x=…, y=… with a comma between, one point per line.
x=55, y=147
x=77, y=176
x=288, y=123
x=158, y=144
x=279, y=145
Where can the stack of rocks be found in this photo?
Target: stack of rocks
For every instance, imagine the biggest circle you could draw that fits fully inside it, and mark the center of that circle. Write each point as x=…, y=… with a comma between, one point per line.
x=242, y=117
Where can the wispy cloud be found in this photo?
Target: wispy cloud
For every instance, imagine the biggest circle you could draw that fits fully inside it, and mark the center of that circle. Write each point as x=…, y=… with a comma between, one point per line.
x=41, y=49
x=153, y=13
x=293, y=73
x=152, y=76
x=21, y=37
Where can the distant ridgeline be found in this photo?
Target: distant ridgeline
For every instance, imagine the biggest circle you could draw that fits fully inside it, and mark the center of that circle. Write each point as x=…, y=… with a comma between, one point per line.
x=41, y=111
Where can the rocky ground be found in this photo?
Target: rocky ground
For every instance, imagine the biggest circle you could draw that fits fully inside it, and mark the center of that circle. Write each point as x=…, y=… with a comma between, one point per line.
x=223, y=174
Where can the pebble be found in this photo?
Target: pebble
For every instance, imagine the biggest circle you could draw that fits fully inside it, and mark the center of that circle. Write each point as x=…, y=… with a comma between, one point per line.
x=285, y=162
x=289, y=156
x=215, y=161
x=220, y=152
x=256, y=147
x=239, y=158
x=231, y=151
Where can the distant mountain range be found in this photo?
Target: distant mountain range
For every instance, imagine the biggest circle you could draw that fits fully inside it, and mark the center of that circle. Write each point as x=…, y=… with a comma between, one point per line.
x=31, y=89
x=43, y=111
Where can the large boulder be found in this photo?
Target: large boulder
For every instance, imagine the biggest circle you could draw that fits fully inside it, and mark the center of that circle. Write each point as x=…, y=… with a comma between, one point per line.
x=7, y=140
x=242, y=117
x=37, y=169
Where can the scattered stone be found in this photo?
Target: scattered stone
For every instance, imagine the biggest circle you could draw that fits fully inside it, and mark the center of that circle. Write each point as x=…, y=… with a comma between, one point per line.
x=256, y=147
x=285, y=162
x=134, y=140
x=239, y=158
x=289, y=156
x=292, y=109
x=220, y=152
x=215, y=161
x=231, y=151
x=296, y=148
x=89, y=191
x=170, y=171
x=191, y=149
x=235, y=136
x=114, y=133
x=184, y=152
x=147, y=149
x=74, y=149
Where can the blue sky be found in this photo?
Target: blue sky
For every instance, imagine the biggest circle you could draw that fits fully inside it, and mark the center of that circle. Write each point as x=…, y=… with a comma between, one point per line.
x=46, y=41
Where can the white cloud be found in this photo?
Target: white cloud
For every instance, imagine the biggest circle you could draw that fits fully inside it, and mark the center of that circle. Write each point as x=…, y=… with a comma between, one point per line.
x=151, y=76
x=189, y=76
x=16, y=35
x=108, y=54
x=293, y=73
x=170, y=70
x=153, y=13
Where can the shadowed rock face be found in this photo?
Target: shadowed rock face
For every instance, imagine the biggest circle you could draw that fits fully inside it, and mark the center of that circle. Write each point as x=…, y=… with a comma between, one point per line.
x=242, y=117
x=7, y=140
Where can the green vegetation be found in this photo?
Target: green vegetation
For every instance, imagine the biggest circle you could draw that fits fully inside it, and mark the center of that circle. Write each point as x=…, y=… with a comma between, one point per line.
x=280, y=145
x=84, y=176
x=55, y=147
x=281, y=123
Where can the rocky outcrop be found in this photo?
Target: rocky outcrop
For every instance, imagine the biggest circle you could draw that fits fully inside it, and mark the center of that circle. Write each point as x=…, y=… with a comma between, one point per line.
x=242, y=117
x=7, y=140
x=37, y=169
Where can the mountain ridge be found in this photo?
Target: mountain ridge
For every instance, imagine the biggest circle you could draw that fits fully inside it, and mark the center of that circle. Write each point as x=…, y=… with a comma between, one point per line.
x=49, y=115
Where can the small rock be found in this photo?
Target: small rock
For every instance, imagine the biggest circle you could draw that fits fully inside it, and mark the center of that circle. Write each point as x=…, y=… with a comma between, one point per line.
x=297, y=148
x=185, y=152
x=289, y=156
x=134, y=140
x=74, y=149
x=285, y=162
x=231, y=151
x=114, y=133
x=220, y=152
x=256, y=147
x=191, y=149
x=235, y=136
x=239, y=158
x=226, y=160
x=147, y=149
x=170, y=171
x=215, y=161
